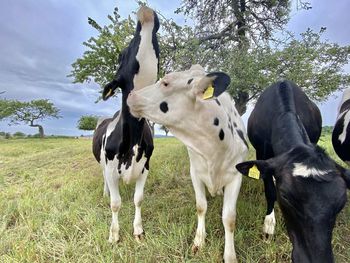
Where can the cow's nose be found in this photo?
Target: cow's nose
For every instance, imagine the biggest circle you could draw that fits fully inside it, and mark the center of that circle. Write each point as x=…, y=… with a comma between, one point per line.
x=132, y=97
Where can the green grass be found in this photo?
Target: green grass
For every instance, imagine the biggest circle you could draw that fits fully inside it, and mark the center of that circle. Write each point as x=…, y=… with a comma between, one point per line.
x=52, y=210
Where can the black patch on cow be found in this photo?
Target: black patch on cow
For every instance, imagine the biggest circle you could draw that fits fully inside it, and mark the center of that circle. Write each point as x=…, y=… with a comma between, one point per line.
x=221, y=134
x=240, y=134
x=234, y=124
x=164, y=107
x=189, y=81
x=218, y=102
x=342, y=149
x=345, y=106
x=143, y=169
x=216, y=121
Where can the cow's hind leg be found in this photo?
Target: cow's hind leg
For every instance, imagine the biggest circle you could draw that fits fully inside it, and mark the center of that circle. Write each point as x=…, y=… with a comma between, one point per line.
x=105, y=185
x=229, y=217
x=112, y=182
x=138, y=197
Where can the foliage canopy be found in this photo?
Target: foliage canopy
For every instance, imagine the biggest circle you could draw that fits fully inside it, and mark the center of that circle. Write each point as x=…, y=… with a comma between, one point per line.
x=235, y=36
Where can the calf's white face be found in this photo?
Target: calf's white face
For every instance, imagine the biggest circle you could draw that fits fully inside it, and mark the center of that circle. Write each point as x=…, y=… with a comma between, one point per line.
x=169, y=101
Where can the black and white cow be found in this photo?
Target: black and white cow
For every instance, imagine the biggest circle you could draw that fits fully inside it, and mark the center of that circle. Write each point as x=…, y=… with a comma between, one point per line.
x=123, y=144
x=211, y=129
x=341, y=131
x=311, y=187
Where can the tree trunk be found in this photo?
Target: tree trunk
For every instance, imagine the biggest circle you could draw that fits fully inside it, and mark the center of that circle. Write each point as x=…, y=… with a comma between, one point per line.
x=41, y=129
x=166, y=133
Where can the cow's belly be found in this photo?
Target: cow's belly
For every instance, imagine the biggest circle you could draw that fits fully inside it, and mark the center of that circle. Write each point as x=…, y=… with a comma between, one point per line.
x=128, y=173
x=214, y=174
x=131, y=173
x=215, y=181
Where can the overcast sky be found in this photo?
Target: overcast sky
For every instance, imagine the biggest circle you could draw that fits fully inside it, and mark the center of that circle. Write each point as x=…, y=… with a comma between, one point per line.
x=40, y=39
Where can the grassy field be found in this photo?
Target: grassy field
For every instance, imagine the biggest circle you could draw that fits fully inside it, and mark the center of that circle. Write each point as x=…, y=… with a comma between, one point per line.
x=52, y=210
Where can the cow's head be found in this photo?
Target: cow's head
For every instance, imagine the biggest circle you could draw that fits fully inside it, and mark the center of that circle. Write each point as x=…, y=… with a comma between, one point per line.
x=311, y=191
x=172, y=98
x=145, y=16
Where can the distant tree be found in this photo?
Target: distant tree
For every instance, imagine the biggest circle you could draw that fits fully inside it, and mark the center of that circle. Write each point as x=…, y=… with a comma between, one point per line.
x=29, y=112
x=19, y=134
x=7, y=135
x=165, y=129
x=326, y=130
x=87, y=122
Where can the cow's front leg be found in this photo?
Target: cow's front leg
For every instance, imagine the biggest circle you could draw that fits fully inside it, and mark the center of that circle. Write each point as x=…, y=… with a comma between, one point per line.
x=229, y=217
x=201, y=204
x=138, y=197
x=112, y=182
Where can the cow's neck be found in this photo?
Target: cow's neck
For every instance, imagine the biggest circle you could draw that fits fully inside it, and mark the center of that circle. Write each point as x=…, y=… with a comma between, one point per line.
x=131, y=126
x=288, y=132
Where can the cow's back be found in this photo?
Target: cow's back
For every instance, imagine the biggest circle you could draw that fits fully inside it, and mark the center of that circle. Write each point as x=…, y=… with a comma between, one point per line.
x=99, y=132
x=271, y=104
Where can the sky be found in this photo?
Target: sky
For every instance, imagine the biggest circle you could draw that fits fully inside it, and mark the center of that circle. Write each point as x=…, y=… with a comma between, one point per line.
x=40, y=39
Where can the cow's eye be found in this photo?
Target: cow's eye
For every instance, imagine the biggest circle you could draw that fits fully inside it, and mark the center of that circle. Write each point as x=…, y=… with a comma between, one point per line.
x=165, y=84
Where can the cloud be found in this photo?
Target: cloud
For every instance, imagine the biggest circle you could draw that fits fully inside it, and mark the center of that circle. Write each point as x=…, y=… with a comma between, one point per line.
x=40, y=39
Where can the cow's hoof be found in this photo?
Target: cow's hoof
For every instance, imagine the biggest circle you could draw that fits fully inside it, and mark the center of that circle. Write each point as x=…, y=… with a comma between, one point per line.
x=267, y=237
x=139, y=238
x=195, y=249
x=113, y=240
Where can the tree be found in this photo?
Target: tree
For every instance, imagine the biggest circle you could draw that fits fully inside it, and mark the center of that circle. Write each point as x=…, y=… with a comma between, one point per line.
x=5, y=108
x=87, y=123
x=100, y=62
x=19, y=134
x=165, y=129
x=235, y=36
x=29, y=112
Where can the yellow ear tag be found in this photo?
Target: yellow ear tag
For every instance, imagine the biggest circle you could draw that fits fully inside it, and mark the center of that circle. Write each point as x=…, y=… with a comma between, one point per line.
x=209, y=92
x=254, y=172
x=109, y=93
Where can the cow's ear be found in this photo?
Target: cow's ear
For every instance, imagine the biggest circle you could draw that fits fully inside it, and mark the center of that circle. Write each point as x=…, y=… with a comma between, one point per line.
x=212, y=85
x=255, y=169
x=109, y=89
x=346, y=177
x=345, y=174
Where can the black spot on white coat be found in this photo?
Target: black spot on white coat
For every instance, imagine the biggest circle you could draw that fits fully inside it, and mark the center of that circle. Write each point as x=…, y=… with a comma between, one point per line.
x=221, y=134
x=216, y=121
x=164, y=107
